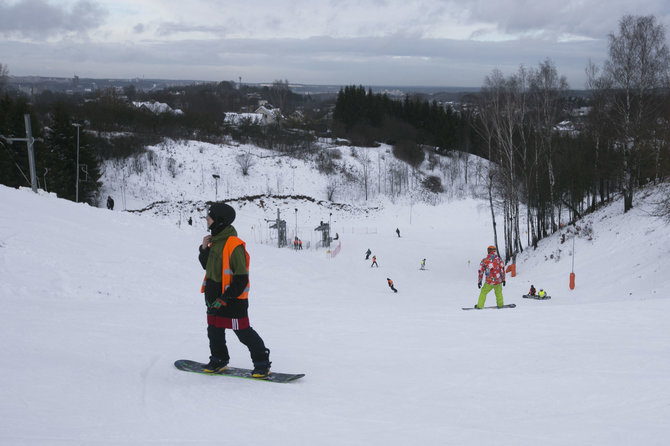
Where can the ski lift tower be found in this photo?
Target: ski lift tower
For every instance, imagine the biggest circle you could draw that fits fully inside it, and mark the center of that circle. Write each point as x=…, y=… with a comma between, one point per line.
x=280, y=226
x=325, y=233
x=31, y=153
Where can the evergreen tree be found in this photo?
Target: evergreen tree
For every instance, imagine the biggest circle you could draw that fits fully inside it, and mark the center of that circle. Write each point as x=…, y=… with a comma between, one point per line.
x=61, y=160
x=14, y=170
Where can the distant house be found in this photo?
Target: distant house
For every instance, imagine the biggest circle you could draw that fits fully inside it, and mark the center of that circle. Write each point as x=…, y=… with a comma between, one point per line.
x=269, y=115
x=157, y=108
x=581, y=111
x=236, y=119
x=566, y=128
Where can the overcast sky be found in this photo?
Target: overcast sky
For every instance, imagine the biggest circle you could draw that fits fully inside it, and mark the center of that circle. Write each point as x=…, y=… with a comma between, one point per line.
x=342, y=42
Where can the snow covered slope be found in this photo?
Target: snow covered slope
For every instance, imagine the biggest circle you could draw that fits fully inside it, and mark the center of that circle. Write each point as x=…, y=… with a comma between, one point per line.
x=96, y=305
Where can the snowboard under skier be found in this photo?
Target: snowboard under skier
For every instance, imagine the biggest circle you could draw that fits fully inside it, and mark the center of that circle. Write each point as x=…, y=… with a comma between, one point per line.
x=493, y=268
x=226, y=286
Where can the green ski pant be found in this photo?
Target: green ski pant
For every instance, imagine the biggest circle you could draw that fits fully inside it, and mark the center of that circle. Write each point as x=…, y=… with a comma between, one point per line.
x=497, y=289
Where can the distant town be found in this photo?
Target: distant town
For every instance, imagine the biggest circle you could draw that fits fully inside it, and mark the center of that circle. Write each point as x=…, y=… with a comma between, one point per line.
x=31, y=85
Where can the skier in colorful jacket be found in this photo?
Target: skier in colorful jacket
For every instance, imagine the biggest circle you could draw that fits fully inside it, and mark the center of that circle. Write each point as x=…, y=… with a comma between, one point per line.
x=226, y=287
x=493, y=268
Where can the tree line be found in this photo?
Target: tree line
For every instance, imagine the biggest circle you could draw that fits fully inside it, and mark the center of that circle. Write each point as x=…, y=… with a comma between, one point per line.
x=365, y=118
x=111, y=127
x=621, y=145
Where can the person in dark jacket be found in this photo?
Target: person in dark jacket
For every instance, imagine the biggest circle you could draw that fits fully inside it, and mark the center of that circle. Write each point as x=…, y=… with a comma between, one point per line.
x=226, y=286
x=390, y=282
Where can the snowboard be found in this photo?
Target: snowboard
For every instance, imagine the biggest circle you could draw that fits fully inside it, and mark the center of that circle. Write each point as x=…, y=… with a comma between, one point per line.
x=528, y=296
x=198, y=367
x=487, y=308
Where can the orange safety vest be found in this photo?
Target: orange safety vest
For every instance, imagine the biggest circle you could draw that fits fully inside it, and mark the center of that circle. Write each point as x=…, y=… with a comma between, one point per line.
x=226, y=273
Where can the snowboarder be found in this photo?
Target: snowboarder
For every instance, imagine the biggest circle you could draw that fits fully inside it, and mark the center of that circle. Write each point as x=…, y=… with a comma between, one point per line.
x=374, y=262
x=226, y=286
x=367, y=254
x=390, y=282
x=542, y=294
x=532, y=291
x=423, y=264
x=190, y=221
x=493, y=267
x=397, y=231
x=110, y=203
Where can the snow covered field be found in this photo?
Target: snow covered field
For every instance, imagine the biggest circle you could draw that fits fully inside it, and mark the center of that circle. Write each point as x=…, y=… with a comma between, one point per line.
x=98, y=304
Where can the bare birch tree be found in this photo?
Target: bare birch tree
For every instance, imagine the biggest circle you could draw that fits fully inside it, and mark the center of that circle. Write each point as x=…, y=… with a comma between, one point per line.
x=634, y=73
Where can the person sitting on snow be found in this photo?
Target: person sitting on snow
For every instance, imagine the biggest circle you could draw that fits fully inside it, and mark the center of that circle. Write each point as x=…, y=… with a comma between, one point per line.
x=532, y=291
x=542, y=294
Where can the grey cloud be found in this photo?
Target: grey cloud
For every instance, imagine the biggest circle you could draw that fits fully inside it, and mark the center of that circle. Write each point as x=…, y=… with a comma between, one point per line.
x=590, y=19
x=397, y=60
x=39, y=19
x=171, y=28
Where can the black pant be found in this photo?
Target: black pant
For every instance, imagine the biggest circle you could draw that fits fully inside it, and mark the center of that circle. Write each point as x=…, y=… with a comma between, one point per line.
x=247, y=336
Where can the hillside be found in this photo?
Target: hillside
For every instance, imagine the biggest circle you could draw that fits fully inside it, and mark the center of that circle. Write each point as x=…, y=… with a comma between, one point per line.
x=97, y=305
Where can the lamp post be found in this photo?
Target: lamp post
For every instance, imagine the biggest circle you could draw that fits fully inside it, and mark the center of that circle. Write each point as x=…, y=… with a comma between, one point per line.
x=216, y=186
x=296, y=222
x=76, y=196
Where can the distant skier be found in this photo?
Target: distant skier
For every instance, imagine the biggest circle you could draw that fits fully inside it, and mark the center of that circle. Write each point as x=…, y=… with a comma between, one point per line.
x=226, y=286
x=390, y=282
x=374, y=262
x=532, y=291
x=110, y=203
x=423, y=264
x=493, y=267
x=367, y=254
x=397, y=231
x=190, y=221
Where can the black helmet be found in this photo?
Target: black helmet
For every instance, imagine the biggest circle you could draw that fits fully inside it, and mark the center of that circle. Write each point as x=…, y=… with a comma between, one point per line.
x=221, y=213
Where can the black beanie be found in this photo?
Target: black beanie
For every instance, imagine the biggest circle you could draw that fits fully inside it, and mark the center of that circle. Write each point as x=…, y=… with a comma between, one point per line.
x=221, y=213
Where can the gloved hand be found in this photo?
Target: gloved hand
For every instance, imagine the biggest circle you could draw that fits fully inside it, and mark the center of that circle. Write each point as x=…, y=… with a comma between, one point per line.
x=503, y=283
x=479, y=284
x=218, y=303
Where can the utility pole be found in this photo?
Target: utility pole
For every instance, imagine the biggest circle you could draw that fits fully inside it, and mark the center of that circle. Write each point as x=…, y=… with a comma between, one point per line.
x=76, y=195
x=31, y=153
